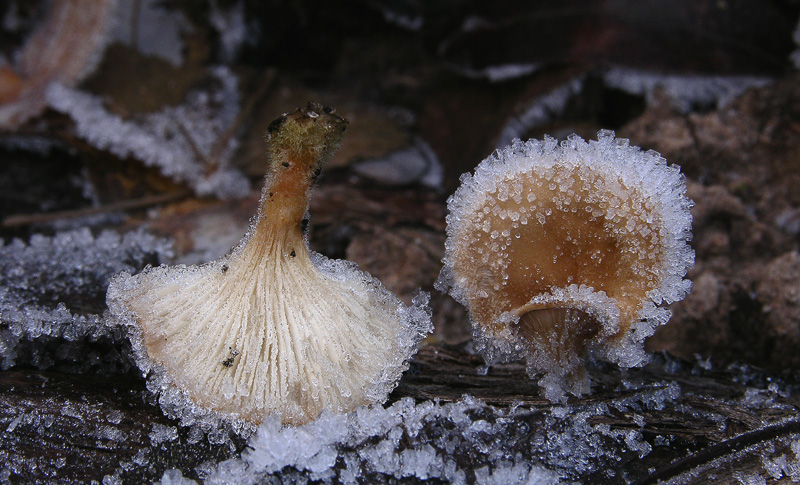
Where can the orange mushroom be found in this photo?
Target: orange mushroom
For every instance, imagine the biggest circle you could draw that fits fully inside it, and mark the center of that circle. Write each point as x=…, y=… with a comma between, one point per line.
x=563, y=250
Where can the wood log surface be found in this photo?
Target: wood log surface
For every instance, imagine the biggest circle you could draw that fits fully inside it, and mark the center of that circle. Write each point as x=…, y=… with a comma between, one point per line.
x=718, y=425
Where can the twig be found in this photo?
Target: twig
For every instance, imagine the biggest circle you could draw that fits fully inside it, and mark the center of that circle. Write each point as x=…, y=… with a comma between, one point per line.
x=722, y=449
x=212, y=161
x=41, y=218
x=247, y=108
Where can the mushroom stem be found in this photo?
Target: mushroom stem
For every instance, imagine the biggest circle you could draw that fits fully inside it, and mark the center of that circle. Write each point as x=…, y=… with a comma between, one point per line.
x=299, y=144
x=559, y=334
x=571, y=328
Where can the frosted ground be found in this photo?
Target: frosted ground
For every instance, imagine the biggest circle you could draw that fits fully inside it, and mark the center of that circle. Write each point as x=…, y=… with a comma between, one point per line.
x=457, y=438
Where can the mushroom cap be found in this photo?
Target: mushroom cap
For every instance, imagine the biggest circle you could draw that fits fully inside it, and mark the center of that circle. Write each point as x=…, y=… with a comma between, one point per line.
x=598, y=227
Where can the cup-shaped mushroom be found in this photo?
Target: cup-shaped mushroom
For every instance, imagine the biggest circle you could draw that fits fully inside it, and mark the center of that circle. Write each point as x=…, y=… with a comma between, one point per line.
x=274, y=327
x=561, y=251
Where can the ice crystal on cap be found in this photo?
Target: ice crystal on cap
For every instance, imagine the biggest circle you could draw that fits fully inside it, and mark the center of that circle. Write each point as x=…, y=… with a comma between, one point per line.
x=273, y=327
x=563, y=250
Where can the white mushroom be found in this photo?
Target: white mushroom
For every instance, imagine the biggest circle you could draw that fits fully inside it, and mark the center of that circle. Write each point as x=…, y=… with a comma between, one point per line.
x=559, y=250
x=274, y=327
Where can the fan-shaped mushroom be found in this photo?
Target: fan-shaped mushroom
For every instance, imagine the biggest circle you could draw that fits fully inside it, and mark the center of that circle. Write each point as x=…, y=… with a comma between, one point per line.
x=559, y=250
x=274, y=327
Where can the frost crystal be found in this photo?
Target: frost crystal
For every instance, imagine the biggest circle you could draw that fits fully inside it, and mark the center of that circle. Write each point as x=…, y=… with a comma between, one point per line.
x=461, y=442
x=152, y=29
x=52, y=290
x=502, y=72
x=540, y=111
x=175, y=477
x=686, y=92
x=417, y=164
x=171, y=139
x=562, y=250
x=231, y=27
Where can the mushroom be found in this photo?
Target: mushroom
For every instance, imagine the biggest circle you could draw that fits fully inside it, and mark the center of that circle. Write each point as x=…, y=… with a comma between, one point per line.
x=274, y=327
x=563, y=251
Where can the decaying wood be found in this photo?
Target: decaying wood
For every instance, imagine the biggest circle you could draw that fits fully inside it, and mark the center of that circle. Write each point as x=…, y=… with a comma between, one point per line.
x=68, y=428
x=707, y=423
x=81, y=428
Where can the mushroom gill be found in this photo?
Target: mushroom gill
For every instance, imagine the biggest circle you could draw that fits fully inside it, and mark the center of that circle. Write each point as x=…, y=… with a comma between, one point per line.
x=564, y=250
x=274, y=327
